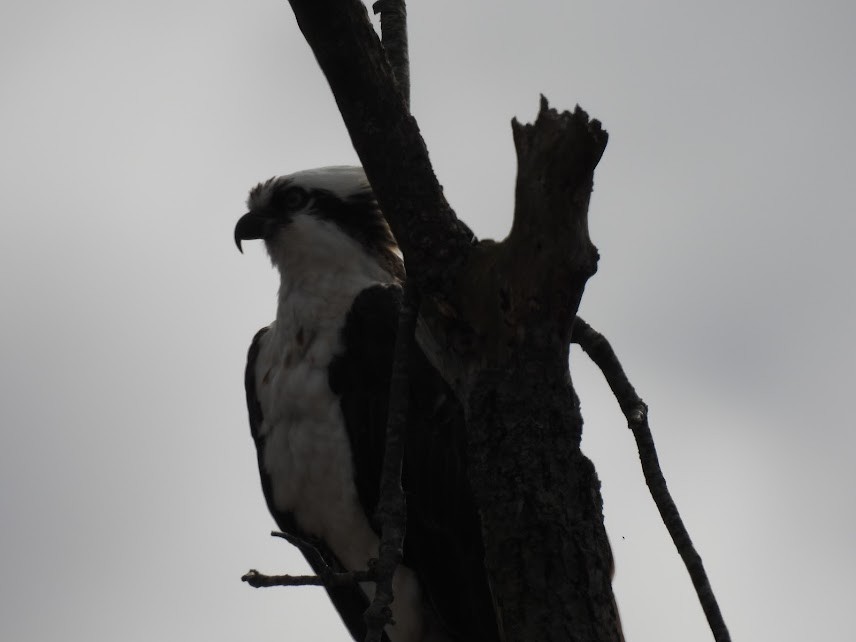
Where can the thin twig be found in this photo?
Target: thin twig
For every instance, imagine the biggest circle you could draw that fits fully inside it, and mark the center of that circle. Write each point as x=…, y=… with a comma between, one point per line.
x=326, y=576
x=391, y=510
x=596, y=346
x=260, y=580
x=300, y=542
x=310, y=551
x=393, y=25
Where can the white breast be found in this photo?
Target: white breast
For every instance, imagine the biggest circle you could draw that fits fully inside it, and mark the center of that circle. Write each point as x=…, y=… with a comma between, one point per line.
x=307, y=452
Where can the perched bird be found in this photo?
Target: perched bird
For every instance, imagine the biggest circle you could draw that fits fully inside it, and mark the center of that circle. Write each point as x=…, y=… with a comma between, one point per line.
x=317, y=384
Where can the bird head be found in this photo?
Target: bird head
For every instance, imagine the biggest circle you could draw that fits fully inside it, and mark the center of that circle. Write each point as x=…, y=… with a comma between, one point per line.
x=320, y=219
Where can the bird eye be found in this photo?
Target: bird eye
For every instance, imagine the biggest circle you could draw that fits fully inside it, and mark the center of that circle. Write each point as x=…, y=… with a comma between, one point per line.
x=292, y=199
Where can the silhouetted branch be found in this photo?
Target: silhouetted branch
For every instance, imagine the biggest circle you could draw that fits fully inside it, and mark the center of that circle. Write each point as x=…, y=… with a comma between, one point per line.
x=310, y=552
x=326, y=576
x=386, y=138
x=391, y=510
x=260, y=580
x=596, y=346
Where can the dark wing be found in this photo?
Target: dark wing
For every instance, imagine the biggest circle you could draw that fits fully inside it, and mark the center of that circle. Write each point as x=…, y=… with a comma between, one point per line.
x=443, y=544
x=360, y=376
x=349, y=601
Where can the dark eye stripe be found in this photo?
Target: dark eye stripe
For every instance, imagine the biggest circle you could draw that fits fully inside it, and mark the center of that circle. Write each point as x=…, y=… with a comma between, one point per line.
x=289, y=199
x=360, y=218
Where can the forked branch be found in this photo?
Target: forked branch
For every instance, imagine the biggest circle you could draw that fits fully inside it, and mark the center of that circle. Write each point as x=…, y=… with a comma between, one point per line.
x=326, y=576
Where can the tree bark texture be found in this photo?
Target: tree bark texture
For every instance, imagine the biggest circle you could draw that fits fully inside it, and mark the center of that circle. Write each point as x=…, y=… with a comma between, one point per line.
x=539, y=497
x=496, y=319
x=386, y=138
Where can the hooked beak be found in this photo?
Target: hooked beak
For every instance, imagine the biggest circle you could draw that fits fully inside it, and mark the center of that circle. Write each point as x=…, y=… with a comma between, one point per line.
x=251, y=225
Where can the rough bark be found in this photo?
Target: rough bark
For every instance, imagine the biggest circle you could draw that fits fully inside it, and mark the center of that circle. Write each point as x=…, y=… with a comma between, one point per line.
x=539, y=497
x=386, y=138
x=496, y=319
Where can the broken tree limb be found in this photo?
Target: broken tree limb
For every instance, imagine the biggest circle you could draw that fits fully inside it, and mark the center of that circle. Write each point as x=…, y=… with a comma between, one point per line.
x=547, y=555
x=535, y=278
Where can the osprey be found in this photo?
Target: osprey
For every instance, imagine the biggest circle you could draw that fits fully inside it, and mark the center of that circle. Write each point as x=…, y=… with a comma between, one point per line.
x=317, y=384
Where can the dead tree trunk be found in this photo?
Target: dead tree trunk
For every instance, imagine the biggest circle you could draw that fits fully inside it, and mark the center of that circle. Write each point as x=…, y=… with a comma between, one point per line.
x=538, y=495
x=496, y=318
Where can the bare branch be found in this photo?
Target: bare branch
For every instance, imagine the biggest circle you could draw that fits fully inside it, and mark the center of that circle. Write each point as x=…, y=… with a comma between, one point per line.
x=386, y=138
x=326, y=576
x=260, y=580
x=596, y=346
x=310, y=552
x=299, y=542
x=391, y=510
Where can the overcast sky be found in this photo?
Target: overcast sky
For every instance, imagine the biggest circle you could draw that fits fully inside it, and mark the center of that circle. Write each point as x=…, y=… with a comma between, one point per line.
x=130, y=133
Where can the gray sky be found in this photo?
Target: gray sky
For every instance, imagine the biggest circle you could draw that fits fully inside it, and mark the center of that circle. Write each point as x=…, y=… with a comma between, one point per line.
x=129, y=136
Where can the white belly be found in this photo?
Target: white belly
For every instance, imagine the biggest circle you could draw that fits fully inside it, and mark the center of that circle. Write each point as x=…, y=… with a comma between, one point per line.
x=308, y=459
